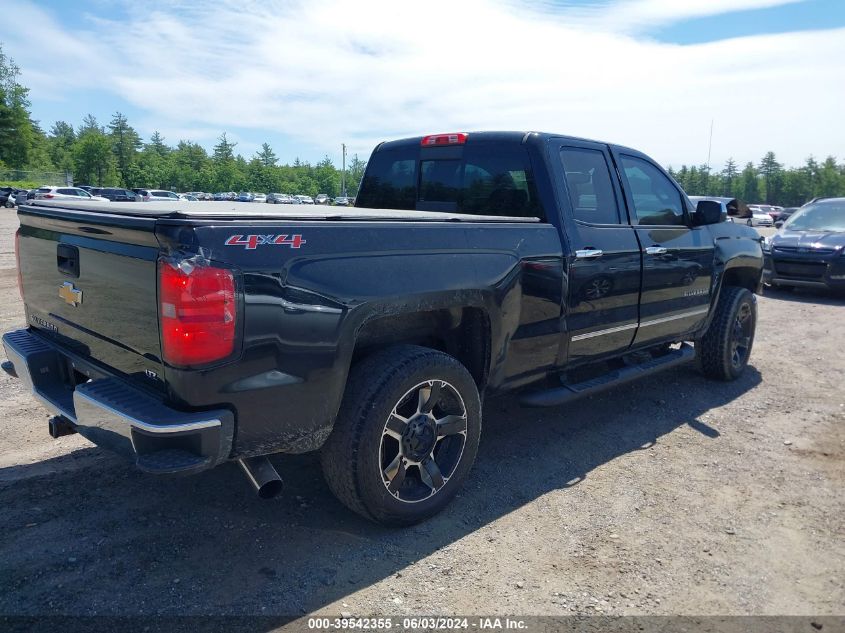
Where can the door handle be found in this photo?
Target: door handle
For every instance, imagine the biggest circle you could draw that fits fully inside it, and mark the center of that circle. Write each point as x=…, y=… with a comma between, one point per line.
x=588, y=253
x=656, y=250
x=67, y=259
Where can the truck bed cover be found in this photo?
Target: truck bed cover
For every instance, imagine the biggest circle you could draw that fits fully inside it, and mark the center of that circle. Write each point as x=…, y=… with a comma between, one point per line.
x=257, y=211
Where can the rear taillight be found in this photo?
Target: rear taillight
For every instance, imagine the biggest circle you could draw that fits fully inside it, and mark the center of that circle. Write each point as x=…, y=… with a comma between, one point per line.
x=48, y=196
x=18, y=260
x=197, y=312
x=458, y=138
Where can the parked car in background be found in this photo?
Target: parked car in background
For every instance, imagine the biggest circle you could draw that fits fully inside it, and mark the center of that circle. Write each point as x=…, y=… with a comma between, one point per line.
x=304, y=199
x=50, y=193
x=259, y=197
x=809, y=251
x=245, y=196
x=321, y=199
x=7, y=196
x=784, y=215
x=759, y=216
x=116, y=194
x=157, y=195
x=24, y=195
x=341, y=201
x=221, y=195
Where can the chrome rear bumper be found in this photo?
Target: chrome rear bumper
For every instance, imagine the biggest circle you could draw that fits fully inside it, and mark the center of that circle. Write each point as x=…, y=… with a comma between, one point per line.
x=114, y=414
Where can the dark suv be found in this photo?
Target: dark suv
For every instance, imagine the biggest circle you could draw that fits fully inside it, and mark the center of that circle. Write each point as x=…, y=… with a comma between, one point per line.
x=119, y=195
x=809, y=251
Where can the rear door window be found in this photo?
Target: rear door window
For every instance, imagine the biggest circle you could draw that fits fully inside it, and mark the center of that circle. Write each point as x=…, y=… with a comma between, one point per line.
x=498, y=180
x=589, y=186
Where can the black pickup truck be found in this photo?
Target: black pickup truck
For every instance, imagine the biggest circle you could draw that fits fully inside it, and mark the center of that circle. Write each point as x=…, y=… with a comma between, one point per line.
x=192, y=334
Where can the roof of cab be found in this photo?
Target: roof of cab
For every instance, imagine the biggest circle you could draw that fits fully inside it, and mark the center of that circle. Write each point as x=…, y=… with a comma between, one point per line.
x=512, y=136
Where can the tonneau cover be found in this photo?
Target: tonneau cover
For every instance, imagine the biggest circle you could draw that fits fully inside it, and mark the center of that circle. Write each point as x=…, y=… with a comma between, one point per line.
x=258, y=211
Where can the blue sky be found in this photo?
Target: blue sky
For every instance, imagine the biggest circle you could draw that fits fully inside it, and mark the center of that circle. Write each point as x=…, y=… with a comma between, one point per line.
x=307, y=76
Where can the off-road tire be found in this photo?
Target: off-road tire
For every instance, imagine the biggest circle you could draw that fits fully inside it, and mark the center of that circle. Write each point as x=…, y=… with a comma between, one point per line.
x=715, y=351
x=351, y=455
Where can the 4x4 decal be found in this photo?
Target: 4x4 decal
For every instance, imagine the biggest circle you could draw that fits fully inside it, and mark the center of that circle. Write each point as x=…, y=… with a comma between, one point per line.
x=251, y=242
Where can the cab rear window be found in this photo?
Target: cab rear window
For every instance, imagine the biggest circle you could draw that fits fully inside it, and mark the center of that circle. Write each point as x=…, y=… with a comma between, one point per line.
x=487, y=179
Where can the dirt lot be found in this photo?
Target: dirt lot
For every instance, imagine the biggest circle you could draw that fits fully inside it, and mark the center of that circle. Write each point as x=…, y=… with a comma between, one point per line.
x=671, y=496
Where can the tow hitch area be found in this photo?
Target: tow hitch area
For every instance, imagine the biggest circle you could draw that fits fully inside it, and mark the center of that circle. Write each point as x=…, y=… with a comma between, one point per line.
x=60, y=426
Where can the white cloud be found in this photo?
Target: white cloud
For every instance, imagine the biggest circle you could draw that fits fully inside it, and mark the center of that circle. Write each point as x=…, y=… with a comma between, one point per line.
x=327, y=71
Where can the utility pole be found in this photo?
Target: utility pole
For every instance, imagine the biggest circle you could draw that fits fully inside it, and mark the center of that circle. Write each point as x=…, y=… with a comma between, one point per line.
x=709, y=147
x=343, y=173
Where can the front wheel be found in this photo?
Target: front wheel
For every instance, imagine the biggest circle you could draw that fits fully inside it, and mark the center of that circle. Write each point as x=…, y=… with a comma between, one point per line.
x=406, y=435
x=725, y=348
x=750, y=223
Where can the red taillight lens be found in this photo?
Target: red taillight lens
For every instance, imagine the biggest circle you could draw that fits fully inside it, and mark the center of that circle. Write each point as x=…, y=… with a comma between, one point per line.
x=18, y=260
x=197, y=312
x=458, y=138
x=48, y=195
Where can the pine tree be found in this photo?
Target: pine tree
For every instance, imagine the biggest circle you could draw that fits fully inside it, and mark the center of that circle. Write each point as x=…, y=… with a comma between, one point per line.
x=89, y=124
x=125, y=145
x=158, y=145
x=224, y=150
x=729, y=175
x=266, y=156
x=771, y=171
x=749, y=186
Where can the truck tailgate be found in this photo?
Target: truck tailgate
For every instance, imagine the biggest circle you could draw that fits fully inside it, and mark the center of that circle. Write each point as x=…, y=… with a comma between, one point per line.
x=89, y=283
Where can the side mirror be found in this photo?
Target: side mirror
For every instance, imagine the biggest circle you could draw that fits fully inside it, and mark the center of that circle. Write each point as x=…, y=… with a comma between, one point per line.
x=708, y=212
x=778, y=224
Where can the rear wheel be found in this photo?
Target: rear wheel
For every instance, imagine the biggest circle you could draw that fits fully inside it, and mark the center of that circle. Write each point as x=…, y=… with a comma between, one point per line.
x=725, y=348
x=406, y=435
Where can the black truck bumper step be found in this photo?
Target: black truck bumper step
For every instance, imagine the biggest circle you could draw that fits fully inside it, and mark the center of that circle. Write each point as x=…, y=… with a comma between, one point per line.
x=171, y=461
x=568, y=392
x=113, y=414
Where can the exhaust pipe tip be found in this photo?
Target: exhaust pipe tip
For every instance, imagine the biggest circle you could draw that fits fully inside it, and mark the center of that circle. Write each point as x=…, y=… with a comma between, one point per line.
x=263, y=477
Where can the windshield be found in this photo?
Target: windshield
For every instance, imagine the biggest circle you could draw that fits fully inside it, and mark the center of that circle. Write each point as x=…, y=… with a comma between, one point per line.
x=828, y=216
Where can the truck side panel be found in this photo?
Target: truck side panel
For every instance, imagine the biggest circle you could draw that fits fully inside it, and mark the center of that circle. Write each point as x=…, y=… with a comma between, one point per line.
x=304, y=307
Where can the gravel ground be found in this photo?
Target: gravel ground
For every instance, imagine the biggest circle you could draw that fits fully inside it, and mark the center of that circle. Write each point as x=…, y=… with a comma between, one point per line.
x=674, y=495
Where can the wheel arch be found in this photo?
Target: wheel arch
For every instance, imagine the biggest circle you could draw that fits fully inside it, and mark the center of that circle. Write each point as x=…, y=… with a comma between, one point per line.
x=462, y=332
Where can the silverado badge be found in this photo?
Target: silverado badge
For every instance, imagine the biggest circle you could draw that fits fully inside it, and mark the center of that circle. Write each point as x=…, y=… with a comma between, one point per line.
x=71, y=295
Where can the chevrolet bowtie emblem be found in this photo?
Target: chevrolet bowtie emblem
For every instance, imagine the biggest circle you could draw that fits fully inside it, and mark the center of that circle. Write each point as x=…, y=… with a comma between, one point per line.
x=71, y=295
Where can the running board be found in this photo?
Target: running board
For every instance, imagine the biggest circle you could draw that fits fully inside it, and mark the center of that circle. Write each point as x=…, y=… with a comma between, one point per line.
x=566, y=393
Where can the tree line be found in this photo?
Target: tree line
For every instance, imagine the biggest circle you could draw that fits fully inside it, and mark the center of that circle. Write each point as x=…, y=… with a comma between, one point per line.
x=769, y=181
x=115, y=155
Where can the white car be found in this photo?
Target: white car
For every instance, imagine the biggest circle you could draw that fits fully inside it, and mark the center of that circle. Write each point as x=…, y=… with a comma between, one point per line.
x=759, y=217
x=304, y=199
x=66, y=193
x=157, y=195
x=260, y=197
